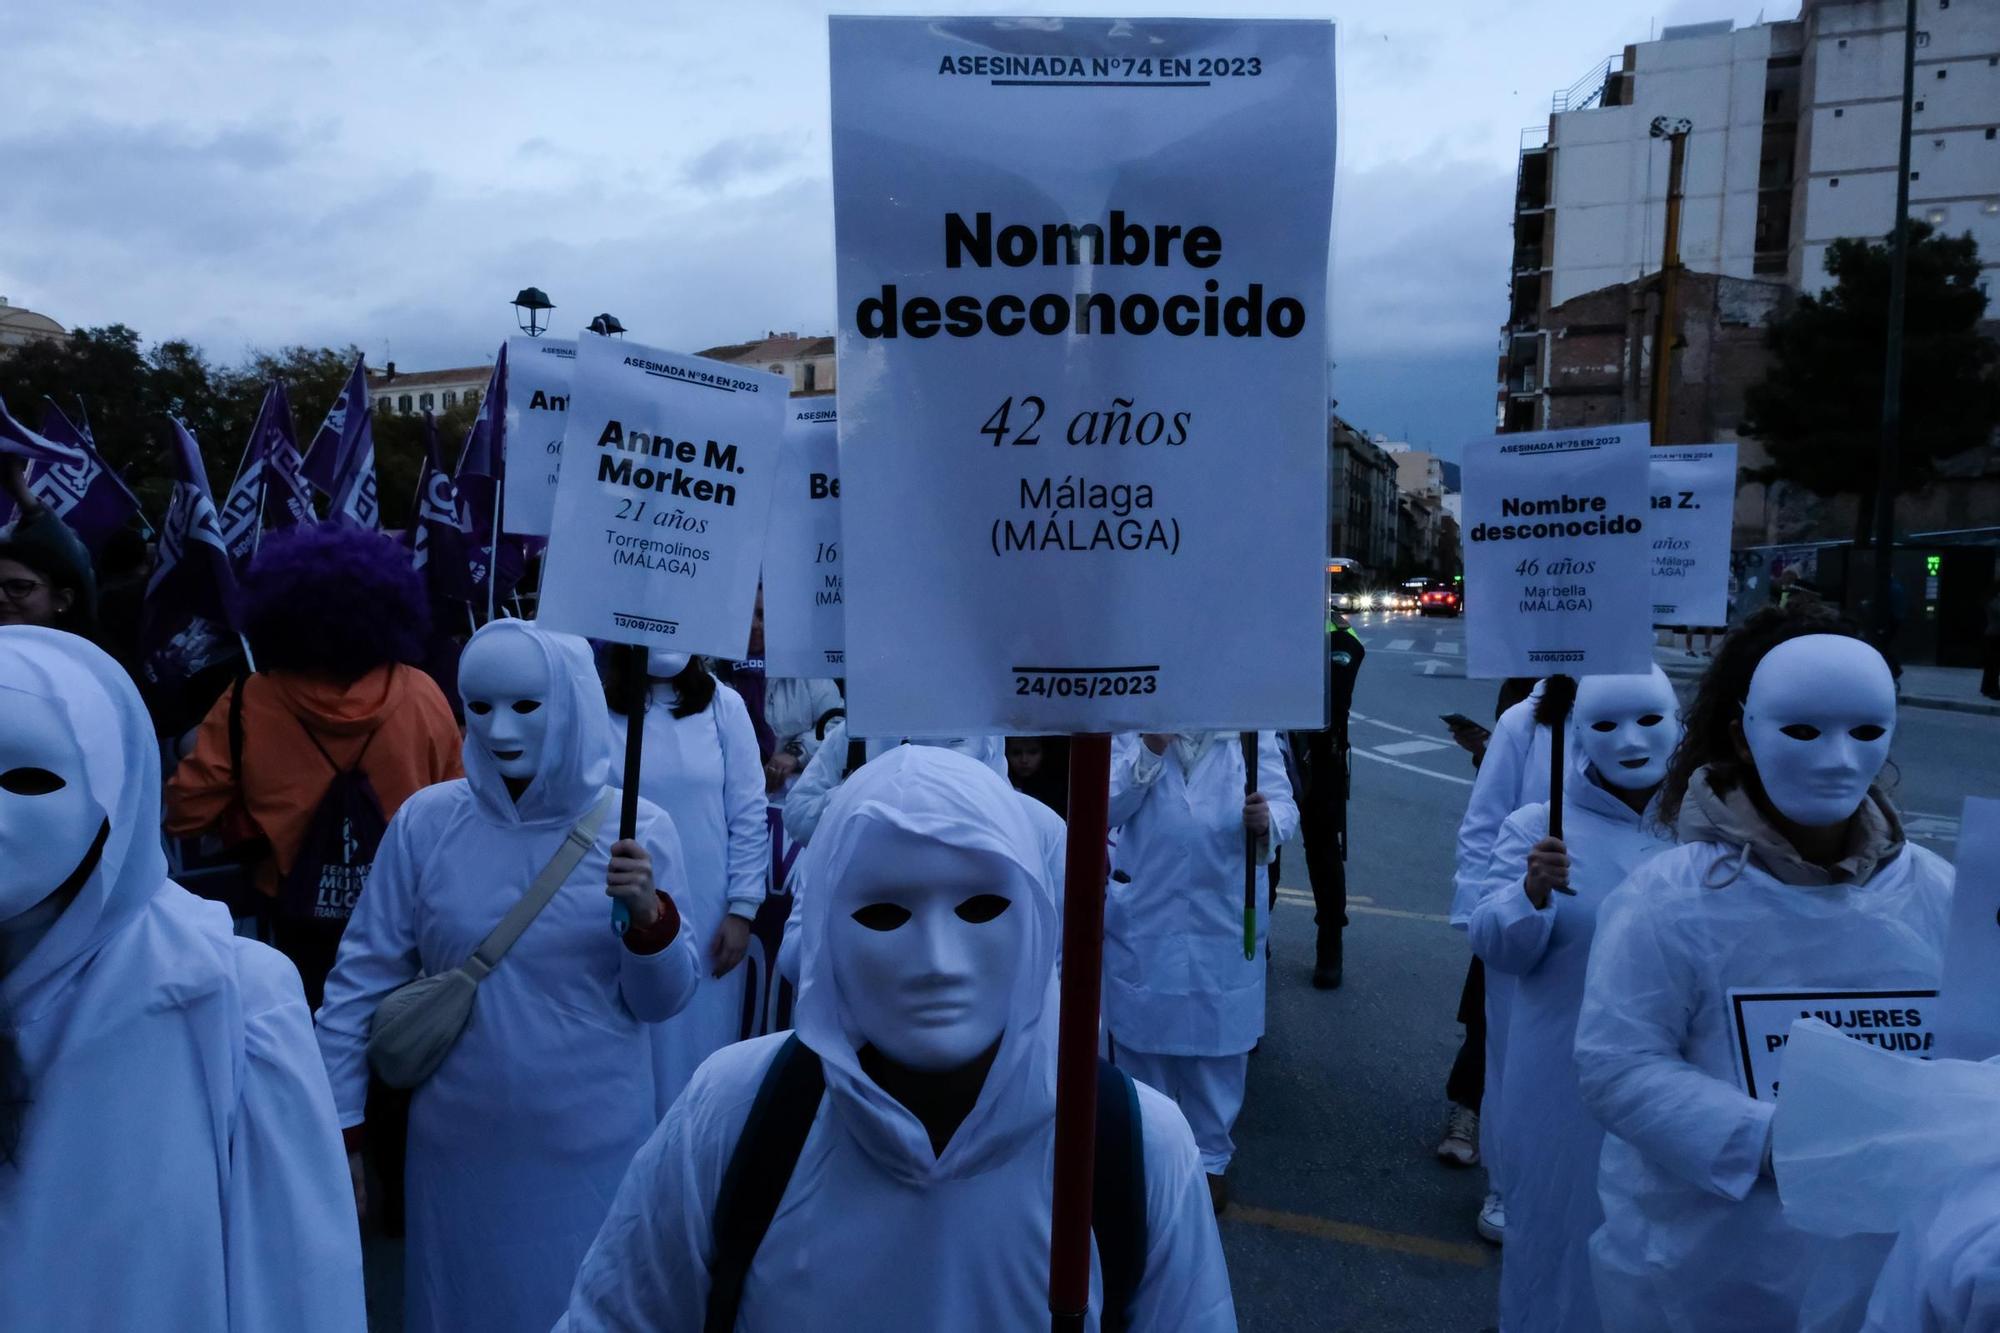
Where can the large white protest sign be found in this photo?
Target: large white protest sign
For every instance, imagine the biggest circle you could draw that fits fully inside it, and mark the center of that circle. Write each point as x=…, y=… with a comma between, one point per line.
x=1904, y=1021
x=804, y=625
x=1687, y=530
x=1082, y=278
x=658, y=526
x=1555, y=553
x=538, y=375
x=1969, y=1021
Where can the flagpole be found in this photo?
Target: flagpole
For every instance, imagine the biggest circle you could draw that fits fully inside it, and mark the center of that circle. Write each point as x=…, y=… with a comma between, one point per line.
x=493, y=553
x=1077, y=1029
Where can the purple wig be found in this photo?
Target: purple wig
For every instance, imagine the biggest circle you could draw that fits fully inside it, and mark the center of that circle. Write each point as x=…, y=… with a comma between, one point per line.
x=334, y=600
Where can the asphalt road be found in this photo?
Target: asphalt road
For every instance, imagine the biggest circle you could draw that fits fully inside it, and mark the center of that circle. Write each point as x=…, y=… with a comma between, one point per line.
x=1342, y=1220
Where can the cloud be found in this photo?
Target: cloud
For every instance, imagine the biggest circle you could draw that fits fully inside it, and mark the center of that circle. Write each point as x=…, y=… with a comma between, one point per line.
x=736, y=158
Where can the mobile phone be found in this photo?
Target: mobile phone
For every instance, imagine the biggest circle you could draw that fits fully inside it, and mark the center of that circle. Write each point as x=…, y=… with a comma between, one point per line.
x=1457, y=720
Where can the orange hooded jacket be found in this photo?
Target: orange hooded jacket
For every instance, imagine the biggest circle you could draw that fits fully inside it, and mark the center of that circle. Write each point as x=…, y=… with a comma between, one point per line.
x=397, y=711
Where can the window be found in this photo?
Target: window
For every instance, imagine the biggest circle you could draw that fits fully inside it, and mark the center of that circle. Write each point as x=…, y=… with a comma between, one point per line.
x=424, y=401
x=1843, y=43
x=403, y=403
x=1989, y=131
x=1942, y=72
x=812, y=374
x=1916, y=175
x=777, y=369
x=472, y=397
x=382, y=403
x=1920, y=104
x=1833, y=184
x=450, y=397
x=1839, y=111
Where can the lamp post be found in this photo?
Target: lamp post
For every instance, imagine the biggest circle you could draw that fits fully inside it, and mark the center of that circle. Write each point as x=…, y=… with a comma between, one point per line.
x=1675, y=131
x=530, y=307
x=1892, y=370
x=608, y=326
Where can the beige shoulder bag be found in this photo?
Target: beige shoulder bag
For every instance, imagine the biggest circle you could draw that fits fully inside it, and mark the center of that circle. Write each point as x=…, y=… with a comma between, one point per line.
x=417, y=1023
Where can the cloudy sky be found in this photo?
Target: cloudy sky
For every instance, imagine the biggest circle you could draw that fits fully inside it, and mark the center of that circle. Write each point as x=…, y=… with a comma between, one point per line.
x=389, y=174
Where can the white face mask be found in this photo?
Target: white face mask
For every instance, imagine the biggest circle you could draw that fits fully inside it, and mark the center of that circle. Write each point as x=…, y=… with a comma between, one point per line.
x=925, y=943
x=662, y=665
x=1628, y=727
x=48, y=819
x=1819, y=718
x=505, y=682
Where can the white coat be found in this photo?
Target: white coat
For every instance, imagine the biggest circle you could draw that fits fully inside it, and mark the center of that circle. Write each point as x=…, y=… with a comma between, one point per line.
x=1552, y=1205
x=518, y=1141
x=1693, y=1237
x=179, y=1164
x=875, y=1230
x=793, y=705
x=1175, y=978
x=1514, y=773
x=704, y=771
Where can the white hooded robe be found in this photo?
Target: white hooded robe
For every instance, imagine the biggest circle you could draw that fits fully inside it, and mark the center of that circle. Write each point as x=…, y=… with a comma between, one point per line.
x=1552, y=1206
x=180, y=1167
x=875, y=1230
x=703, y=770
x=518, y=1141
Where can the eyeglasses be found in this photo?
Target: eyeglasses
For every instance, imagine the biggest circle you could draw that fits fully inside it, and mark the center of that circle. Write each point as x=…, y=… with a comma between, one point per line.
x=20, y=590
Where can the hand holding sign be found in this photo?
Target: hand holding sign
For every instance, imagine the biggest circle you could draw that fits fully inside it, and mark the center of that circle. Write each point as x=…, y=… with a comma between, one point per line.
x=1548, y=871
x=629, y=881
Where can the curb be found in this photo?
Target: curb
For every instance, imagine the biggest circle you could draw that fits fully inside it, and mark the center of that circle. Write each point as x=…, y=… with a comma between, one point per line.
x=1978, y=707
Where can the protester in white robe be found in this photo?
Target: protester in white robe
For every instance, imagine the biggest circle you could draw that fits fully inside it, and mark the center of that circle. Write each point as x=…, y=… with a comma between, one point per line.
x=1792, y=875
x=703, y=771
x=1536, y=926
x=1866, y=1141
x=1514, y=773
x=794, y=707
x=1182, y=1003
x=518, y=1141
x=168, y=1151
x=930, y=944
x=815, y=786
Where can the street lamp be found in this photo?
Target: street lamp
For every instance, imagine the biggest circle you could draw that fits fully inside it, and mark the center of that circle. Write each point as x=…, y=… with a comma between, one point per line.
x=607, y=325
x=528, y=307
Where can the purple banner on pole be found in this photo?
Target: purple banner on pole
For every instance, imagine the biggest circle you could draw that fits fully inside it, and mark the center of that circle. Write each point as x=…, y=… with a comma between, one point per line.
x=268, y=491
x=340, y=461
x=89, y=497
x=18, y=441
x=186, y=625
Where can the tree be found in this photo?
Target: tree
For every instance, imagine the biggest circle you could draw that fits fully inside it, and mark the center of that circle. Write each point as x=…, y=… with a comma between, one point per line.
x=1819, y=408
x=126, y=393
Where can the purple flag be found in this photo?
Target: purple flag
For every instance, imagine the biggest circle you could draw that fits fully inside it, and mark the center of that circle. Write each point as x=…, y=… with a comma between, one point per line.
x=18, y=441
x=185, y=627
x=268, y=491
x=90, y=497
x=438, y=538
x=340, y=461
x=482, y=455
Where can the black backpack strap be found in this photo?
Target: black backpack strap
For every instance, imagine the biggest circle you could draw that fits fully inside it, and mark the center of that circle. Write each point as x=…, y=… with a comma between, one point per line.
x=236, y=692
x=825, y=719
x=1118, y=1195
x=759, y=1168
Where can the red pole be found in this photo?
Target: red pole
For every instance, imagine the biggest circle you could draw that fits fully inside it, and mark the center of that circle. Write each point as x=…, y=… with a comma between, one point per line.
x=1076, y=1051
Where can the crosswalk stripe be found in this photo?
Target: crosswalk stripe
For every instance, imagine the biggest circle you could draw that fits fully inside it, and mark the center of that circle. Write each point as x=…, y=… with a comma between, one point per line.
x=1411, y=747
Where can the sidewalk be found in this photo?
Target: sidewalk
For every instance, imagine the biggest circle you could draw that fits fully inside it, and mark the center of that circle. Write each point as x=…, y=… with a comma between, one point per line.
x=1955, y=689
